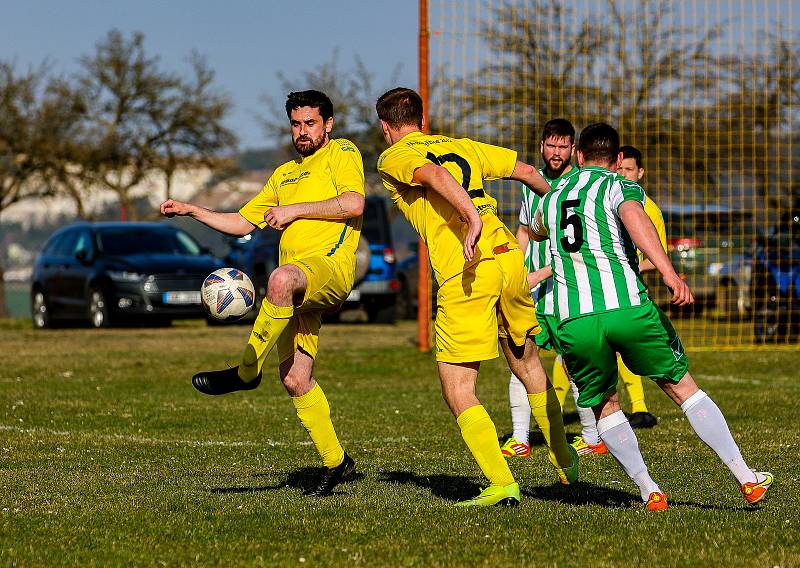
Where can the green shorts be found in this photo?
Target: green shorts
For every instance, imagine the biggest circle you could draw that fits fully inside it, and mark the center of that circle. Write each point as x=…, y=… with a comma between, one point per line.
x=642, y=335
x=546, y=339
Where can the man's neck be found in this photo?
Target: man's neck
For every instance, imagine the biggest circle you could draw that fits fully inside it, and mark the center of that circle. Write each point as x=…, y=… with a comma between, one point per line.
x=548, y=173
x=605, y=165
x=402, y=132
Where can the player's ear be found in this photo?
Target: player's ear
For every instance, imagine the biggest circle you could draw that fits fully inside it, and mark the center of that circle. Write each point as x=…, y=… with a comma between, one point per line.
x=619, y=160
x=329, y=125
x=640, y=174
x=580, y=159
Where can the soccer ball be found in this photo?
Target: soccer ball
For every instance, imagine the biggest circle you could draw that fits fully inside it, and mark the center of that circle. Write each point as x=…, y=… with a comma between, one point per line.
x=227, y=294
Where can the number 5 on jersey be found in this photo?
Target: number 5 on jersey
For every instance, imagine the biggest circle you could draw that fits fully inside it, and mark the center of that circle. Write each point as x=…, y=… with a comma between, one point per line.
x=569, y=219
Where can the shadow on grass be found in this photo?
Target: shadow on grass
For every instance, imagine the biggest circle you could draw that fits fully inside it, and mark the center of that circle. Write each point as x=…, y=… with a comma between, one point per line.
x=583, y=494
x=448, y=487
x=589, y=494
x=298, y=479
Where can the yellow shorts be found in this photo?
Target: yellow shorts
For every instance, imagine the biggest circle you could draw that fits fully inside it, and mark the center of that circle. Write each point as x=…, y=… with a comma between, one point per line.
x=329, y=282
x=488, y=300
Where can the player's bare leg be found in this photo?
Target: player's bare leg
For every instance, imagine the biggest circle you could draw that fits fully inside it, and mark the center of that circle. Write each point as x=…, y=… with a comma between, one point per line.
x=287, y=284
x=479, y=433
x=710, y=426
x=618, y=436
x=314, y=414
x=545, y=406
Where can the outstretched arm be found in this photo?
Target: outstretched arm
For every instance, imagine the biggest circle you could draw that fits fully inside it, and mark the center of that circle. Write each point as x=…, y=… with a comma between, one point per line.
x=531, y=177
x=441, y=181
x=643, y=233
x=229, y=223
x=348, y=204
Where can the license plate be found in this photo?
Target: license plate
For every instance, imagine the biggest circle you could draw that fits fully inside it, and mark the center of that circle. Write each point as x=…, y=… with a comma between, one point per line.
x=183, y=297
x=355, y=296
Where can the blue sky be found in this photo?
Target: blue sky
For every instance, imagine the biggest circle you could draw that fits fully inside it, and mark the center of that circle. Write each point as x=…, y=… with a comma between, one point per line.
x=245, y=41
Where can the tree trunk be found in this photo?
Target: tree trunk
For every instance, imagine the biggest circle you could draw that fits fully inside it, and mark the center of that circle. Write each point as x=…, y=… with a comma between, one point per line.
x=3, y=305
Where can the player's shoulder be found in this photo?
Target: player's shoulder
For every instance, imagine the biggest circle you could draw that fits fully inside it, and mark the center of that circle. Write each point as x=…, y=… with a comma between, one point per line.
x=344, y=145
x=627, y=184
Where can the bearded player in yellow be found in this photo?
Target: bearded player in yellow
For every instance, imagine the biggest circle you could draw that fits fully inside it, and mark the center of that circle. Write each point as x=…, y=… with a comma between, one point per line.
x=317, y=201
x=437, y=183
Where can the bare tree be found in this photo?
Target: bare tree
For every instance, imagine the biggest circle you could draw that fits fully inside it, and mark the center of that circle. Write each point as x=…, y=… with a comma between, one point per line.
x=21, y=130
x=142, y=120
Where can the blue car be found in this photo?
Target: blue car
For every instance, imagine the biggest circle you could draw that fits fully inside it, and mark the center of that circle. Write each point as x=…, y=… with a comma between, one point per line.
x=775, y=284
x=376, y=286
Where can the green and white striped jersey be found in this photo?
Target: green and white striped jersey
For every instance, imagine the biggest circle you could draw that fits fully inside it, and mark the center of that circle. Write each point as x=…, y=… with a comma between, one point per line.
x=595, y=268
x=538, y=253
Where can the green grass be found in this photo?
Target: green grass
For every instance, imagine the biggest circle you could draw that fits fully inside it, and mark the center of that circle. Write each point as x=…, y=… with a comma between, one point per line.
x=109, y=457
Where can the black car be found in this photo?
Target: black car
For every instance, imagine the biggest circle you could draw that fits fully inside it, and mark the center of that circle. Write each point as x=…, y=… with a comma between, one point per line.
x=105, y=273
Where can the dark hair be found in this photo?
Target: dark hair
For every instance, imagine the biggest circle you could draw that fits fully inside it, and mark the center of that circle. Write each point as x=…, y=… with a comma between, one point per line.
x=313, y=99
x=631, y=152
x=559, y=128
x=599, y=142
x=400, y=107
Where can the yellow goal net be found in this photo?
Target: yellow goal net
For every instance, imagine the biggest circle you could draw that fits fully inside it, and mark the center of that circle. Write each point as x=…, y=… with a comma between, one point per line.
x=708, y=91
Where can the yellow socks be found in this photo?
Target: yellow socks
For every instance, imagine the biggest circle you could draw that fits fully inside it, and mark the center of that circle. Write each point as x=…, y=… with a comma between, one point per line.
x=269, y=325
x=479, y=433
x=560, y=381
x=633, y=383
x=547, y=412
x=315, y=416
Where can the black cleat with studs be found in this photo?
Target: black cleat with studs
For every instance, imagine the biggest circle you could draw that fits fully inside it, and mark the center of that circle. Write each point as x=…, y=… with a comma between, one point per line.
x=330, y=477
x=222, y=382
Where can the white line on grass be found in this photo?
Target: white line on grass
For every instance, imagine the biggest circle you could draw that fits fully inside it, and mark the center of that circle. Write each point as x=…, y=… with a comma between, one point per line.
x=190, y=443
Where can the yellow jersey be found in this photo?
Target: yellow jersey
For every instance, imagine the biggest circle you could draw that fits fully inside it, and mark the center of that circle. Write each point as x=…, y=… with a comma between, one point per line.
x=330, y=171
x=436, y=221
x=657, y=218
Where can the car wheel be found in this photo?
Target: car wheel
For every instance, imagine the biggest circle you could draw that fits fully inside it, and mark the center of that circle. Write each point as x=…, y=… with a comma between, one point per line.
x=40, y=311
x=382, y=313
x=99, y=315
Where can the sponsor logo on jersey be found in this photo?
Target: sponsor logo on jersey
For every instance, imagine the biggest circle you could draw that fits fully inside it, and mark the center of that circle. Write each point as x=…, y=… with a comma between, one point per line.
x=301, y=176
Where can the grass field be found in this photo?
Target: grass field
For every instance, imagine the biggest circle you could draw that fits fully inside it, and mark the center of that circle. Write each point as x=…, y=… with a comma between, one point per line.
x=109, y=457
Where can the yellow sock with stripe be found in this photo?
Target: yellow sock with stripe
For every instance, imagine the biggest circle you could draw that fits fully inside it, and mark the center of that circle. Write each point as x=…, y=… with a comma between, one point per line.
x=269, y=325
x=480, y=435
x=315, y=416
x=546, y=412
x=633, y=384
x=561, y=382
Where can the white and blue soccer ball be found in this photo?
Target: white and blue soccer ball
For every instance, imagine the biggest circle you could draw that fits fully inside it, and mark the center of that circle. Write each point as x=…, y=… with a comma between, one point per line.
x=227, y=294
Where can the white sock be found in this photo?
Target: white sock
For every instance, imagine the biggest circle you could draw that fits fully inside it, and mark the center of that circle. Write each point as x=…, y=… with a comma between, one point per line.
x=520, y=409
x=710, y=426
x=588, y=421
x=620, y=440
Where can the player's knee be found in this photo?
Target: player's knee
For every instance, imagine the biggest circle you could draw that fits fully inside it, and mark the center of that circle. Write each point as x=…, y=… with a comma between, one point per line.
x=282, y=282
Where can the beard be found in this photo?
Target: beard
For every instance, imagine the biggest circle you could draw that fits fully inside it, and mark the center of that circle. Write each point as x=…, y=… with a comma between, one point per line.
x=305, y=145
x=555, y=170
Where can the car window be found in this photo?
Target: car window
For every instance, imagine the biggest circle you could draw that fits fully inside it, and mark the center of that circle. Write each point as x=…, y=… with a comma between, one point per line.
x=124, y=241
x=83, y=243
x=375, y=227
x=51, y=246
x=66, y=244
